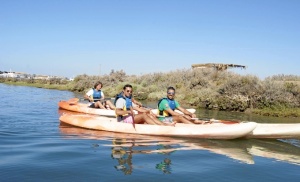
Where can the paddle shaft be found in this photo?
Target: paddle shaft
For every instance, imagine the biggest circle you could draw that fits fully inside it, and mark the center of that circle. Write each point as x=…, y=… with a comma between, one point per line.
x=208, y=120
x=74, y=101
x=216, y=120
x=110, y=98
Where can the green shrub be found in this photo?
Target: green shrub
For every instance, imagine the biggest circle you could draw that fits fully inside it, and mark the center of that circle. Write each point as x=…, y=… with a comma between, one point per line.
x=223, y=90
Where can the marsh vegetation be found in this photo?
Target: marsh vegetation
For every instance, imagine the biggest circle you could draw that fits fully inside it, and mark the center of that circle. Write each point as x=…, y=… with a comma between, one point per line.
x=278, y=95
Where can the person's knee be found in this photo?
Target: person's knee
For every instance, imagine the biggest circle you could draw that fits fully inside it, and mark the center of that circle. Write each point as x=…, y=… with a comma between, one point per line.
x=180, y=117
x=149, y=115
x=144, y=114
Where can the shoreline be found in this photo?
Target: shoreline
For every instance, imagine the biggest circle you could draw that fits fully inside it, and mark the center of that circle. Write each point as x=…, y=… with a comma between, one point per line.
x=279, y=112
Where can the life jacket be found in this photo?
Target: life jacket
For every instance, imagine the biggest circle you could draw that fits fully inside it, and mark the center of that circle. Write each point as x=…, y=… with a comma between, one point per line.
x=172, y=106
x=128, y=101
x=96, y=94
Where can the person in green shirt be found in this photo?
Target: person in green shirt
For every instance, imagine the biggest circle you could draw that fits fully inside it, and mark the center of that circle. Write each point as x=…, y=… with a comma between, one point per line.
x=167, y=114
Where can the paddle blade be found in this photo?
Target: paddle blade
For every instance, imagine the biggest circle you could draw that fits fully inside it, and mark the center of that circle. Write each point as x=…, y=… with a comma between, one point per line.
x=73, y=101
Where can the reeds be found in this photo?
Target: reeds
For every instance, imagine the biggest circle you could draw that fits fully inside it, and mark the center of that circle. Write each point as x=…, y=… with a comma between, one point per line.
x=208, y=88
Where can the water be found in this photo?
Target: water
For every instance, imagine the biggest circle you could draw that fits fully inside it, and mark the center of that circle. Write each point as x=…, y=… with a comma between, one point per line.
x=35, y=146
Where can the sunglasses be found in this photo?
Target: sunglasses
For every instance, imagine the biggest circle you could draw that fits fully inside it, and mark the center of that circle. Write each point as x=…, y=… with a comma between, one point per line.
x=171, y=93
x=129, y=91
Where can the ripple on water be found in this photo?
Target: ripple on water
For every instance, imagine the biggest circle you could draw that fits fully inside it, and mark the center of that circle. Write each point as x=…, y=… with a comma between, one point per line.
x=35, y=147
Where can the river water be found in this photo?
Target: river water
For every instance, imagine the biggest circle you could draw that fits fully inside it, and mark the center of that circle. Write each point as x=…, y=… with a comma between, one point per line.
x=35, y=146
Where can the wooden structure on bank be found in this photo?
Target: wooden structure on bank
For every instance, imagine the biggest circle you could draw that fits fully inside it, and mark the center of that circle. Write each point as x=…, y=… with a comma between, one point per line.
x=217, y=66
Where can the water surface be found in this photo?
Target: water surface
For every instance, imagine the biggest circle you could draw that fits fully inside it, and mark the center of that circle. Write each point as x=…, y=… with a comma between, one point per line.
x=35, y=146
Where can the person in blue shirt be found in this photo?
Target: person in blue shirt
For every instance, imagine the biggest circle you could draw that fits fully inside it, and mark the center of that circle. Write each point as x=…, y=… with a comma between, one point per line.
x=125, y=110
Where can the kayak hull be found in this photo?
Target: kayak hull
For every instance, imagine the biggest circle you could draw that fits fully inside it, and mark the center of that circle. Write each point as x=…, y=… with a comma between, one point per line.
x=209, y=131
x=84, y=108
x=280, y=130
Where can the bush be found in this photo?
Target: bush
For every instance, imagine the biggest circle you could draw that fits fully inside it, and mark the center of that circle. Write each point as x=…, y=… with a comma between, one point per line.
x=207, y=88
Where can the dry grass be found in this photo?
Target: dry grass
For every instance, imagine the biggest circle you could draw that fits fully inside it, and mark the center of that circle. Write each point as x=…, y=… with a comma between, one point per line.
x=223, y=90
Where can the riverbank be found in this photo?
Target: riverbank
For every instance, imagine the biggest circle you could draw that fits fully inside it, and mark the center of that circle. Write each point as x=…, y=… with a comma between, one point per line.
x=283, y=112
x=39, y=85
x=275, y=112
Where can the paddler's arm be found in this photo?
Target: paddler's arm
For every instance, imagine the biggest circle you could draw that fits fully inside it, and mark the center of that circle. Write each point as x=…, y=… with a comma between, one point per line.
x=173, y=113
x=186, y=112
x=142, y=110
x=121, y=112
x=102, y=96
x=136, y=102
x=138, y=108
x=87, y=97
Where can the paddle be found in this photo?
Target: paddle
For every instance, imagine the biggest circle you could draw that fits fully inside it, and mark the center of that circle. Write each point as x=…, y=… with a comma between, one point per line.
x=209, y=120
x=203, y=119
x=109, y=98
x=73, y=101
x=132, y=115
x=146, y=107
x=216, y=120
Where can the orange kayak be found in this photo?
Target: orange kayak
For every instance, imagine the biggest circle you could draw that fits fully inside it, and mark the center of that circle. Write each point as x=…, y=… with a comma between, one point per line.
x=75, y=106
x=71, y=105
x=209, y=131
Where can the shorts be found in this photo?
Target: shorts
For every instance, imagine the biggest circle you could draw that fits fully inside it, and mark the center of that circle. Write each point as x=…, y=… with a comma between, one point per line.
x=168, y=119
x=125, y=119
x=92, y=105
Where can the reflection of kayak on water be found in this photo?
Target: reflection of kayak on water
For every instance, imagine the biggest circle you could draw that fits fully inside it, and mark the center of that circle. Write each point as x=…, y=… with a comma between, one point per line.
x=275, y=149
x=141, y=144
x=241, y=150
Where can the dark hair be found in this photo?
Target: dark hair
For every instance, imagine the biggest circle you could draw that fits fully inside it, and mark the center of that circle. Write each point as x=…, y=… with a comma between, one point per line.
x=171, y=88
x=127, y=85
x=98, y=83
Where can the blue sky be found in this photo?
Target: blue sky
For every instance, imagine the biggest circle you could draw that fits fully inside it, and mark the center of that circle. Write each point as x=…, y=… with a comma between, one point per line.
x=72, y=37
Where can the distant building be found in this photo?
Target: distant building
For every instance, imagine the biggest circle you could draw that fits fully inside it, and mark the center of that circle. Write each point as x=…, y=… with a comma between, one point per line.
x=11, y=74
x=41, y=77
x=217, y=66
x=24, y=75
